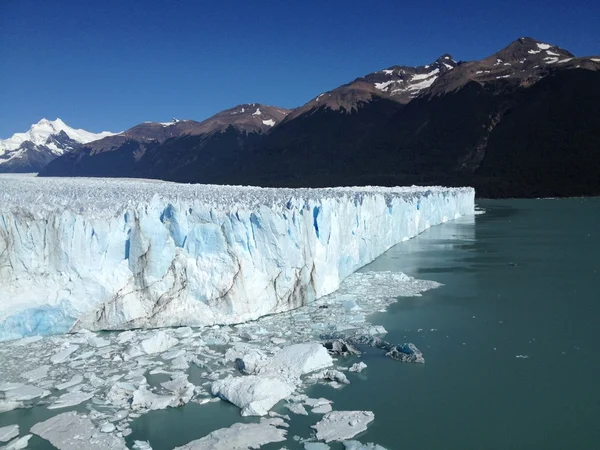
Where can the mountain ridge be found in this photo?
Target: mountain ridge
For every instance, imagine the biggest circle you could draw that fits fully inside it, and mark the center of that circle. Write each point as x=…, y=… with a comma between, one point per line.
x=441, y=123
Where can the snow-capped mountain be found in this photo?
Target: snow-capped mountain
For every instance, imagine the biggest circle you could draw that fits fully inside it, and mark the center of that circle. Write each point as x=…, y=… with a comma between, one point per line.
x=162, y=149
x=43, y=142
x=523, y=121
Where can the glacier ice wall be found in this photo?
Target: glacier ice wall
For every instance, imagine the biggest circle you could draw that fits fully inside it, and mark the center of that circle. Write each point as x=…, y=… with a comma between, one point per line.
x=116, y=254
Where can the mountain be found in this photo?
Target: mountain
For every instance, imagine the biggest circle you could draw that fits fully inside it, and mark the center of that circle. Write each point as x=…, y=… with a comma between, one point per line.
x=524, y=121
x=147, y=150
x=43, y=142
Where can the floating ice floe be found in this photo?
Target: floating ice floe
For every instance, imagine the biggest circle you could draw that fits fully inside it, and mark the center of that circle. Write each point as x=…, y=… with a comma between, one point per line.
x=8, y=432
x=73, y=431
x=18, y=444
x=356, y=445
x=254, y=395
x=342, y=425
x=357, y=367
x=241, y=436
x=71, y=399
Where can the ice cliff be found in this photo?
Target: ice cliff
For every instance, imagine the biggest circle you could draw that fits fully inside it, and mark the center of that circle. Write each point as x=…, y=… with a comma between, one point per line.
x=118, y=254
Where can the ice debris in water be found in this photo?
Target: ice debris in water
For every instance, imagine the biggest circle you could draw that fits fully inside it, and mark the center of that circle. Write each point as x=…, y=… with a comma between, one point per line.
x=340, y=425
x=73, y=431
x=254, y=395
x=254, y=365
x=356, y=445
x=9, y=432
x=358, y=367
x=241, y=436
x=18, y=444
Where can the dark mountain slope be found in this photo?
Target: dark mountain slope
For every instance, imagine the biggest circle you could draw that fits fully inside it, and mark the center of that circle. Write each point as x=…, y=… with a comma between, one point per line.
x=548, y=143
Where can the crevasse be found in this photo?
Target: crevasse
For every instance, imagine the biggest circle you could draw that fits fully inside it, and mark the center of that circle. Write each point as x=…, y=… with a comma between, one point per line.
x=107, y=254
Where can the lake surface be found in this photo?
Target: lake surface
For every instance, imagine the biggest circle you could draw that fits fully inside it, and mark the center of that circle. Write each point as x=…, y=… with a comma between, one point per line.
x=521, y=279
x=509, y=341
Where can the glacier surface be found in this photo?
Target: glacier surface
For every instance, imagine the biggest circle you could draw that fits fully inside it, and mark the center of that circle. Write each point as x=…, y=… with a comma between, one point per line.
x=105, y=254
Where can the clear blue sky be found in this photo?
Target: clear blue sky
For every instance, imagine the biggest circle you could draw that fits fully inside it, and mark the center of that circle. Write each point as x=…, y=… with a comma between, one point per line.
x=110, y=64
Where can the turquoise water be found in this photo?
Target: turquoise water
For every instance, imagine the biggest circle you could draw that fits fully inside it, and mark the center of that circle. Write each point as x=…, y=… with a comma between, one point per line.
x=520, y=279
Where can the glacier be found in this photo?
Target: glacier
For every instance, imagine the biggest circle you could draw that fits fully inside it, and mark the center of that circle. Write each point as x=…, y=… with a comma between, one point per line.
x=115, y=254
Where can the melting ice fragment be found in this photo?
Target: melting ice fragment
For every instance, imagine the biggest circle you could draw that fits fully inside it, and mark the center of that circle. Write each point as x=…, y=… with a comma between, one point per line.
x=241, y=436
x=73, y=431
x=340, y=425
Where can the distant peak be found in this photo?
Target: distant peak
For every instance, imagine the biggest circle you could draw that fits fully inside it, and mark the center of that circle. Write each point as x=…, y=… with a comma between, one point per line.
x=446, y=57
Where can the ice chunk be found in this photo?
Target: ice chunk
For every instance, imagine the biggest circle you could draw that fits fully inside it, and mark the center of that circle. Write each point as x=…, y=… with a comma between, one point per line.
x=36, y=374
x=71, y=399
x=356, y=445
x=241, y=436
x=315, y=446
x=73, y=431
x=74, y=381
x=255, y=395
x=406, y=353
x=19, y=443
x=330, y=375
x=141, y=445
x=246, y=357
x=9, y=405
x=9, y=432
x=340, y=425
x=143, y=399
x=158, y=343
x=322, y=409
x=358, y=367
x=64, y=354
x=108, y=428
x=299, y=359
x=296, y=408
x=120, y=393
x=25, y=392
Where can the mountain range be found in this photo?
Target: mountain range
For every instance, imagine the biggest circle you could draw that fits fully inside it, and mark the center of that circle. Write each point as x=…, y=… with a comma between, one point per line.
x=522, y=122
x=43, y=142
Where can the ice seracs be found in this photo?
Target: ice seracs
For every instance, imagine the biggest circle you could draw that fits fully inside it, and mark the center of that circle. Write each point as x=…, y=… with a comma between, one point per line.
x=118, y=254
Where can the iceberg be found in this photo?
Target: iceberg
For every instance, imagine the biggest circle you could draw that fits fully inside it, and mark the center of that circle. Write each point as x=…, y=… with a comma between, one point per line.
x=105, y=254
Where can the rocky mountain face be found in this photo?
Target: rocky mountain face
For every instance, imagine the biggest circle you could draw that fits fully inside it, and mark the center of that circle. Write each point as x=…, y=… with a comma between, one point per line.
x=524, y=121
x=164, y=150
x=42, y=143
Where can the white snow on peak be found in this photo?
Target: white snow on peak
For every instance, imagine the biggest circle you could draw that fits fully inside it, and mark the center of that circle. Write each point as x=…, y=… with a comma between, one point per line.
x=41, y=131
x=533, y=52
x=172, y=122
x=448, y=66
x=562, y=61
x=595, y=59
x=257, y=112
x=384, y=85
x=417, y=77
x=319, y=97
x=543, y=46
x=269, y=122
x=388, y=71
